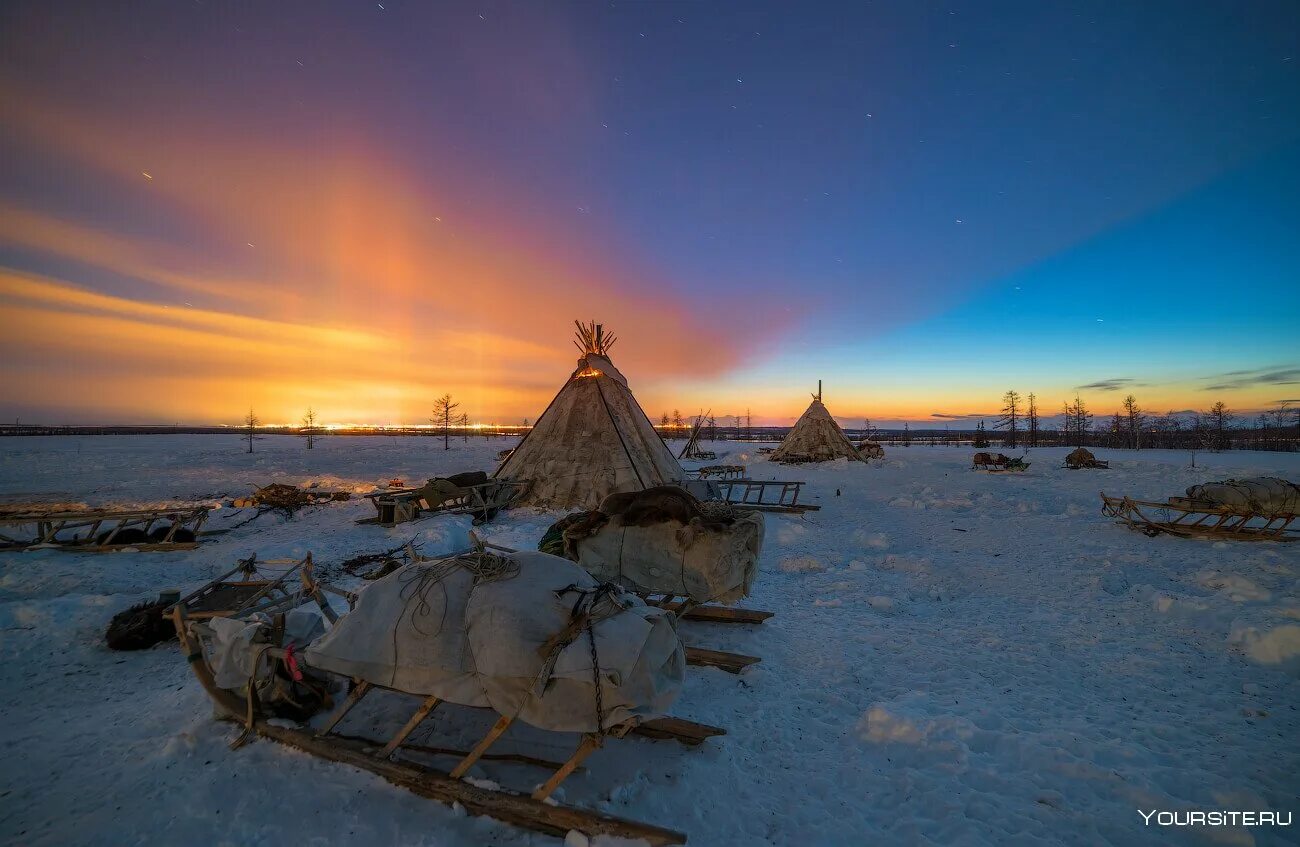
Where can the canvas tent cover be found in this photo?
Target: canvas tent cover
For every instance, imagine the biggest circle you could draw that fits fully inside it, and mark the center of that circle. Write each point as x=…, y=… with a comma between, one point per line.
x=471, y=636
x=815, y=437
x=705, y=563
x=593, y=440
x=1263, y=495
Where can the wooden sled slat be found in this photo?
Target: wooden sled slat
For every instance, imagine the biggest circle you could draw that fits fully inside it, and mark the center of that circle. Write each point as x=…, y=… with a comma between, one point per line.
x=687, y=732
x=500, y=804
x=717, y=614
x=729, y=662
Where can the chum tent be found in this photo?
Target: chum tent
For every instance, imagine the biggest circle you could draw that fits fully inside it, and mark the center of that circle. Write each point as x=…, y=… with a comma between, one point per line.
x=593, y=440
x=816, y=437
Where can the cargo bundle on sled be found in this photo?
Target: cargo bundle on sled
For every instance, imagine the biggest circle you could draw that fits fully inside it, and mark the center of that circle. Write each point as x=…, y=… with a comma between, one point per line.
x=663, y=543
x=529, y=636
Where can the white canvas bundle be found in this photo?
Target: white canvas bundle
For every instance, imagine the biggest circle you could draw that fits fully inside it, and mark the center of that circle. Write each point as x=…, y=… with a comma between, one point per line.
x=706, y=565
x=234, y=645
x=1263, y=495
x=431, y=629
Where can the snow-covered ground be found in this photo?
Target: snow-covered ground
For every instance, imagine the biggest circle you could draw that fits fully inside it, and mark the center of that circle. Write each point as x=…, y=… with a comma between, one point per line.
x=956, y=657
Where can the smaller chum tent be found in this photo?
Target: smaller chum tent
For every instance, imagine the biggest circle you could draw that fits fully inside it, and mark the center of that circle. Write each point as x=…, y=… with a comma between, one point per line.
x=816, y=437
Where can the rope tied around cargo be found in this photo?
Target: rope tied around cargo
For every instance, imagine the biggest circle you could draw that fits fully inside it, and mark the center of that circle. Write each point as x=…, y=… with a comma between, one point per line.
x=591, y=606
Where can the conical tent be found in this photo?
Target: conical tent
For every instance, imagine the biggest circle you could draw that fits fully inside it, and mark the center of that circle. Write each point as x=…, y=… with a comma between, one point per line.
x=815, y=437
x=593, y=440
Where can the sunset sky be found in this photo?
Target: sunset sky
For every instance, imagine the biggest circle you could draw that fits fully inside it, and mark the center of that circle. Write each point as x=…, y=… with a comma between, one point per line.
x=359, y=206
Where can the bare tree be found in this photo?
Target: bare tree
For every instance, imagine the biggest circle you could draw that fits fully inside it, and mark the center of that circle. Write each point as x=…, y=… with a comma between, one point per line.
x=981, y=439
x=1135, y=421
x=442, y=409
x=309, y=430
x=251, y=421
x=1078, y=422
x=1031, y=420
x=464, y=426
x=1010, y=420
x=711, y=425
x=1217, y=419
x=907, y=435
x=678, y=423
x=663, y=421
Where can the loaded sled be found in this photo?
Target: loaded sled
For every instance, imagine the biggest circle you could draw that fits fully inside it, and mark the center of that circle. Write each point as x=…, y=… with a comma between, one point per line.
x=1259, y=509
x=998, y=463
x=1080, y=459
x=576, y=656
x=471, y=493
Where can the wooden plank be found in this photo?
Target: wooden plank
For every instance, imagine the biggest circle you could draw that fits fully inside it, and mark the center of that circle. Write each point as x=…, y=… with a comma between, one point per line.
x=718, y=614
x=429, y=704
x=689, y=733
x=730, y=662
x=507, y=806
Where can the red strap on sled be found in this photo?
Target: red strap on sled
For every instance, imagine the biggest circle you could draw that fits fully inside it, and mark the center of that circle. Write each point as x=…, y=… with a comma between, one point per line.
x=291, y=663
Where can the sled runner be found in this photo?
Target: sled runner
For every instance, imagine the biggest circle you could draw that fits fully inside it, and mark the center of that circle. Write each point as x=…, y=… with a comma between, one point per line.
x=246, y=664
x=105, y=530
x=1197, y=518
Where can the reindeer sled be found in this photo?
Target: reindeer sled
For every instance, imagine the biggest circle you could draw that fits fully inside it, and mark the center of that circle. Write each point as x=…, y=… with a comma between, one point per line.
x=1080, y=459
x=663, y=543
x=472, y=493
x=998, y=463
x=104, y=530
x=1257, y=509
x=551, y=648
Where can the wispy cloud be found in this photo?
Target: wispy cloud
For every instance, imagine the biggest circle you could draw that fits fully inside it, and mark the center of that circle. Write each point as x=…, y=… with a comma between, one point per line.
x=1108, y=384
x=970, y=416
x=1285, y=375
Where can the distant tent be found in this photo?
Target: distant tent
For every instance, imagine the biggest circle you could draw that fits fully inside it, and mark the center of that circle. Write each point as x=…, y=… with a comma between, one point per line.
x=592, y=440
x=816, y=437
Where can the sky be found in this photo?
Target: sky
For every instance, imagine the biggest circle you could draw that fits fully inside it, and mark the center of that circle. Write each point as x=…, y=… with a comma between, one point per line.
x=360, y=206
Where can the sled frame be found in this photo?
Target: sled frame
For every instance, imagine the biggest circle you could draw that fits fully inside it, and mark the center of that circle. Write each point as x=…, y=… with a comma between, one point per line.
x=404, y=505
x=528, y=811
x=50, y=525
x=1189, y=519
x=764, y=495
x=265, y=586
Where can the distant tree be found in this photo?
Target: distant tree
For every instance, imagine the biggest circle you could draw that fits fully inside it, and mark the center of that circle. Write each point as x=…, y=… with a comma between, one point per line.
x=1135, y=420
x=678, y=423
x=1010, y=420
x=309, y=430
x=981, y=439
x=464, y=426
x=1031, y=420
x=251, y=421
x=1217, y=419
x=1078, y=422
x=663, y=421
x=711, y=425
x=442, y=409
x=907, y=435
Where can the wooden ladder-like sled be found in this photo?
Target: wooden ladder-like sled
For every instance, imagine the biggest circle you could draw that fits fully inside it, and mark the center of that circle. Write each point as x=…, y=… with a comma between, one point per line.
x=1190, y=519
x=105, y=530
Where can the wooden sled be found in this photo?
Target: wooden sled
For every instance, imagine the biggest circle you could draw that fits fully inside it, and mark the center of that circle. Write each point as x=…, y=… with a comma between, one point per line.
x=268, y=587
x=995, y=464
x=1191, y=519
x=481, y=500
x=686, y=610
x=1095, y=464
x=764, y=495
x=721, y=472
x=105, y=530
x=386, y=758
